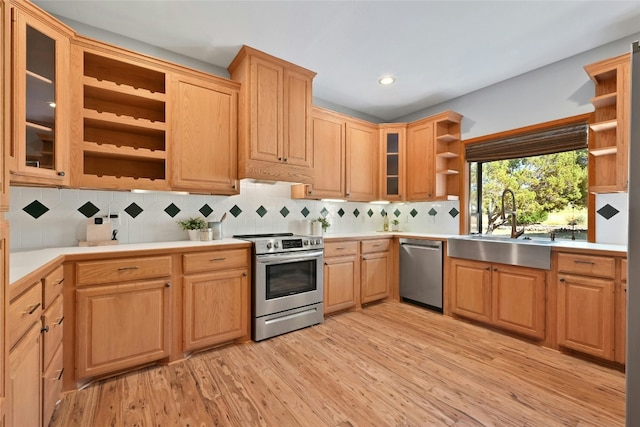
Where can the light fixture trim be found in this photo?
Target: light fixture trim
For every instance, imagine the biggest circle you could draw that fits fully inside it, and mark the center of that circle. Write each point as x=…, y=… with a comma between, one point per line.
x=386, y=80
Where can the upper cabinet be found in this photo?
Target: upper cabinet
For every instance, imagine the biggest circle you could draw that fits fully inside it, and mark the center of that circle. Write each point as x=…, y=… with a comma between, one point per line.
x=361, y=161
x=275, y=118
x=204, y=130
x=420, y=161
x=392, y=161
x=38, y=141
x=609, y=136
x=119, y=127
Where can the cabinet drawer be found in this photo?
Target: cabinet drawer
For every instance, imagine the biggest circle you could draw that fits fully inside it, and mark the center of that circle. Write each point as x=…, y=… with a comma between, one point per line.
x=215, y=260
x=52, y=325
x=122, y=270
x=52, y=286
x=340, y=248
x=587, y=265
x=23, y=312
x=370, y=246
x=52, y=386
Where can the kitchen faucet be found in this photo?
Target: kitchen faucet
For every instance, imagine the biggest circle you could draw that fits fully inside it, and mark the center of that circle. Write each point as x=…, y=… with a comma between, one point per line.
x=515, y=233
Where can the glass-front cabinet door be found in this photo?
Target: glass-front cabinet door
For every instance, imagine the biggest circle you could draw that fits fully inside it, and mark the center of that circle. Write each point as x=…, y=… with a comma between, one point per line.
x=393, y=161
x=40, y=81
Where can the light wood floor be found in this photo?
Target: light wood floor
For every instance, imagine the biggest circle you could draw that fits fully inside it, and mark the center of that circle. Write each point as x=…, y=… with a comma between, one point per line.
x=390, y=364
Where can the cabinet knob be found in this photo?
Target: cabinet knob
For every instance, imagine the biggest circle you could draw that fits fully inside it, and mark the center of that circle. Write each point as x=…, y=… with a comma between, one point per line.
x=61, y=173
x=487, y=268
x=45, y=329
x=285, y=159
x=167, y=285
x=244, y=274
x=279, y=159
x=495, y=269
x=562, y=279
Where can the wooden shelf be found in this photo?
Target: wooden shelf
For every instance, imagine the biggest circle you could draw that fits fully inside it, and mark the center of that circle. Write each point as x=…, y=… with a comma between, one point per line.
x=113, y=151
x=119, y=121
x=39, y=77
x=39, y=127
x=97, y=181
x=604, y=151
x=123, y=89
x=447, y=138
x=447, y=172
x=603, y=126
x=603, y=189
x=604, y=100
x=447, y=155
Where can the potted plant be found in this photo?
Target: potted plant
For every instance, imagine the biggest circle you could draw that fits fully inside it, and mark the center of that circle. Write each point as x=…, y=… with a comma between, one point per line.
x=324, y=223
x=193, y=226
x=395, y=225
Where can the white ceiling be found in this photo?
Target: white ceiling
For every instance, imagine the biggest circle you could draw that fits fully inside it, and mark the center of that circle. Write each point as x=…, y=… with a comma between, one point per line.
x=437, y=50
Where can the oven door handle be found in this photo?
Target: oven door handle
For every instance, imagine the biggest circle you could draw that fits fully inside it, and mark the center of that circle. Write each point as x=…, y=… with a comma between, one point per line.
x=287, y=258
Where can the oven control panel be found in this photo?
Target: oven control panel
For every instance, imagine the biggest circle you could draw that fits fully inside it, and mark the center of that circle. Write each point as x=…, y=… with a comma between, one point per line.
x=288, y=244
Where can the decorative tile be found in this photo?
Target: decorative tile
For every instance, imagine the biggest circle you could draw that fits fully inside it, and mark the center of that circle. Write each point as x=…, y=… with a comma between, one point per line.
x=356, y=212
x=284, y=211
x=206, y=210
x=133, y=210
x=305, y=212
x=370, y=213
x=383, y=213
x=35, y=209
x=88, y=209
x=172, y=210
x=608, y=211
x=397, y=213
x=262, y=211
x=341, y=212
x=324, y=212
x=453, y=212
x=413, y=213
x=235, y=211
x=432, y=212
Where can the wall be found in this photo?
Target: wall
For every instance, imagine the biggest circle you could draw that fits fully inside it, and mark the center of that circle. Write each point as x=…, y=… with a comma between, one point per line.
x=46, y=217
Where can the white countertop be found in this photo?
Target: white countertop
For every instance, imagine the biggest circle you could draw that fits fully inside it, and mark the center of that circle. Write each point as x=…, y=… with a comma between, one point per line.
x=23, y=263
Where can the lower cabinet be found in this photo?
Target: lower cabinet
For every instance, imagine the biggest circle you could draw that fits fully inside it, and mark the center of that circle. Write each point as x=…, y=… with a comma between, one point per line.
x=508, y=297
x=121, y=326
x=341, y=276
x=621, y=315
x=375, y=271
x=24, y=386
x=216, y=297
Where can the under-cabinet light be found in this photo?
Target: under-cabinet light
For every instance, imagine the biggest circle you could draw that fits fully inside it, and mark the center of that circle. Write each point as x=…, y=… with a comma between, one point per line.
x=380, y=202
x=333, y=200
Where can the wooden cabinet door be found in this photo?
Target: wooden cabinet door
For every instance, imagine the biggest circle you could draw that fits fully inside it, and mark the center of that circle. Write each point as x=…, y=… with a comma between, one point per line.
x=216, y=308
x=375, y=270
x=297, y=147
x=361, y=162
x=204, y=146
x=340, y=283
x=40, y=86
x=392, y=162
x=24, y=386
x=621, y=315
x=328, y=155
x=585, y=315
x=519, y=299
x=471, y=289
x=420, y=180
x=121, y=326
x=267, y=109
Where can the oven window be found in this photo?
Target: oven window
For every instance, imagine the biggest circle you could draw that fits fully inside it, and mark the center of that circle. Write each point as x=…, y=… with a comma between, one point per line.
x=291, y=278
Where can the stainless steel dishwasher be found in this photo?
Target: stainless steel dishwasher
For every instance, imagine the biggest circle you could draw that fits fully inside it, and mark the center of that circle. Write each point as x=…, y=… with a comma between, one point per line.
x=421, y=272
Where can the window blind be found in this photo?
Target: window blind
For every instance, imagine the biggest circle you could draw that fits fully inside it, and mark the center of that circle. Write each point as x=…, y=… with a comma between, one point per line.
x=556, y=139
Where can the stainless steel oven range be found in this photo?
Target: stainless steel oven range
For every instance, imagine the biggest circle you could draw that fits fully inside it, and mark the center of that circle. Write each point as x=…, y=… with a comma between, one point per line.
x=287, y=289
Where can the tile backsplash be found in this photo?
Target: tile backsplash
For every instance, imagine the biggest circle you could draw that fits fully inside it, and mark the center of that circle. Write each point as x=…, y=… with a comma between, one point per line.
x=44, y=217
x=612, y=218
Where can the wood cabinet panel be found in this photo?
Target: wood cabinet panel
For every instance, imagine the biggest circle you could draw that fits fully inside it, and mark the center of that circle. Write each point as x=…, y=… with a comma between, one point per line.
x=420, y=161
x=266, y=110
x=333, y=249
x=120, y=270
x=297, y=146
x=121, y=326
x=471, y=293
x=24, y=380
x=589, y=265
x=52, y=326
x=328, y=137
x=586, y=314
x=519, y=300
x=216, y=308
x=204, y=136
x=215, y=260
x=52, y=284
x=361, y=162
x=378, y=245
x=621, y=315
x=392, y=161
x=340, y=283
x=375, y=271
x=52, y=386
x=23, y=312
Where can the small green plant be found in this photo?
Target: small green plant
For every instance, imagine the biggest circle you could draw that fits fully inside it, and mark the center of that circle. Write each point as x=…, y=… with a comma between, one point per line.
x=192, y=224
x=324, y=222
x=395, y=222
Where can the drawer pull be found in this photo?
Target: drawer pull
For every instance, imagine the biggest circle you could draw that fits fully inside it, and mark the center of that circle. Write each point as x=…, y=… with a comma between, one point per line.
x=577, y=261
x=33, y=308
x=45, y=329
x=60, y=374
x=376, y=245
x=218, y=259
x=60, y=320
x=340, y=249
x=128, y=268
x=58, y=282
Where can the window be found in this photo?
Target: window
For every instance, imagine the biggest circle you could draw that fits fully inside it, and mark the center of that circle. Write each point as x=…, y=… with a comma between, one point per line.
x=546, y=169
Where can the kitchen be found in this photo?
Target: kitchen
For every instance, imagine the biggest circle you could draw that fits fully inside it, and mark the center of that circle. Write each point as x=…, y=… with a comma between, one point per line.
x=58, y=210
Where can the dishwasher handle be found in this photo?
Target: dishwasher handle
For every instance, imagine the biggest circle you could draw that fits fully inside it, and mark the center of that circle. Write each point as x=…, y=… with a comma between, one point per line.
x=427, y=247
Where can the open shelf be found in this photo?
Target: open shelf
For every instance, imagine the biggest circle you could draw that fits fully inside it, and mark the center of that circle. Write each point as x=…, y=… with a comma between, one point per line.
x=447, y=137
x=121, y=72
x=123, y=122
x=92, y=82
x=447, y=155
x=604, y=126
x=604, y=151
x=39, y=77
x=112, y=151
x=447, y=172
x=39, y=127
x=605, y=100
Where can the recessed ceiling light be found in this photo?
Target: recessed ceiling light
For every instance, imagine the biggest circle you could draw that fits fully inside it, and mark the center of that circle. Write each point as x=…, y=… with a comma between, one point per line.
x=386, y=80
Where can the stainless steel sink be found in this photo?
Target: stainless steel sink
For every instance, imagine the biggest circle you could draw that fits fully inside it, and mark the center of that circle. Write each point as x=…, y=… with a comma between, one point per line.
x=535, y=253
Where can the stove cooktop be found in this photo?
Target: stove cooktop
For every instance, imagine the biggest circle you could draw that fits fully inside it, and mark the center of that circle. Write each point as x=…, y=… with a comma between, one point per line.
x=272, y=243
